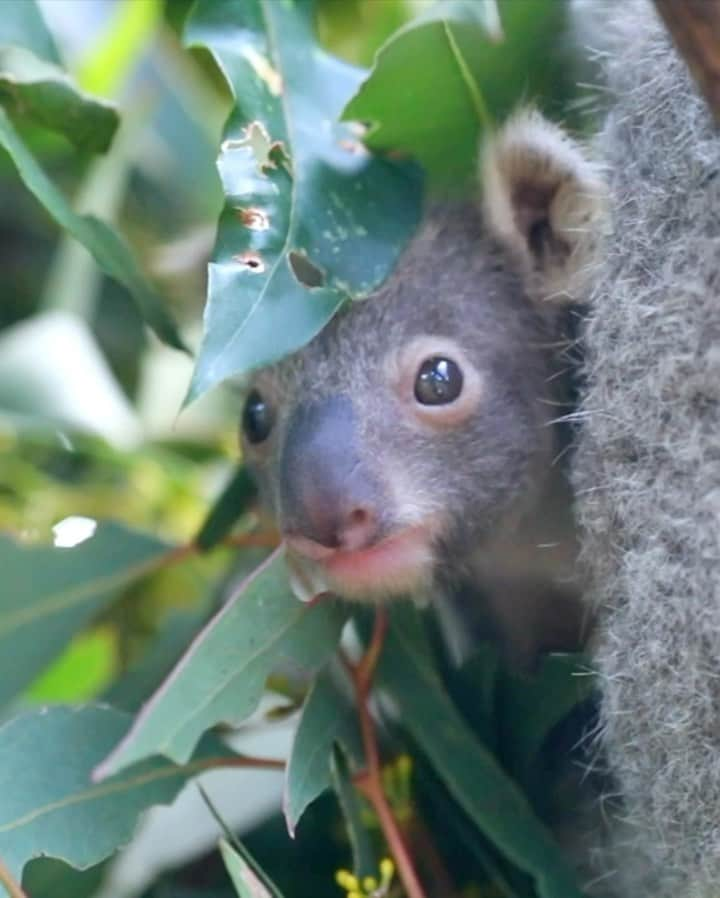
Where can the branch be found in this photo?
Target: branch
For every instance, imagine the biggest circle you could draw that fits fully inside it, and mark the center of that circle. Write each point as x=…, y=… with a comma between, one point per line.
x=370, y=782
x=11, y=887
x=695, y=28
x=242, y=761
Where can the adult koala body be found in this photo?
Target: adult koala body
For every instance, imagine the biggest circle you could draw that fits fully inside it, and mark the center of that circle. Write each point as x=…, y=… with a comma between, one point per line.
x=410, y=448
x=647, y=467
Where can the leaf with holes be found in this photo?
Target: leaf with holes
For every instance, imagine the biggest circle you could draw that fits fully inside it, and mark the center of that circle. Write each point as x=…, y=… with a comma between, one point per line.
x=311, y=219
x=42, y=93
x=223, y=673
x=50, y=806
x=447, y=75
x=49, y=593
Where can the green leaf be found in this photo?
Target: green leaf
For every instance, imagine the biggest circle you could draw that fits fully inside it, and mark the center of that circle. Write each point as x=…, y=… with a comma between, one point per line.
x=49, y=593
x=529, y=707
x=246, y=875
x=447, y=76
x=228, y=509
x=311, y=219
x=328, y=717
x=222, y=676
x=37, y=91
x=50, y=806
x=472, y=775
x=110, y=251
x=22, y=24
x=365, y=861
x=81, y=672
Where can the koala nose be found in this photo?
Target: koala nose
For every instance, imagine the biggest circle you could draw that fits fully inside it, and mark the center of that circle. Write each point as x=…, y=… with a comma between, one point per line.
x=329, y=500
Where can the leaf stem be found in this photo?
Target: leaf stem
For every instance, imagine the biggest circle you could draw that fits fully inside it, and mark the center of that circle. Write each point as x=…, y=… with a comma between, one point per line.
x=370, y=782
x=11, y=887
x=243, y=761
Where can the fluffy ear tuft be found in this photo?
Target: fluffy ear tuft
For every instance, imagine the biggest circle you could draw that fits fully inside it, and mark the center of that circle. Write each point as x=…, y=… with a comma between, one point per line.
x=545, y=200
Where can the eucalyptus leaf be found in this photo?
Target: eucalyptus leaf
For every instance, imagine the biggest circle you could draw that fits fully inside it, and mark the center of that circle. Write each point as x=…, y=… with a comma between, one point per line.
x=328, y=717
x=49, y=593
x=233, y=501
x=439, y=82
x=50, y=807
x=110, y=251
x=223, y=674
x=470, y=772
x=246, y=875
x=42, y=93
x=306, y=223
x=365, y=861
x=22, y=25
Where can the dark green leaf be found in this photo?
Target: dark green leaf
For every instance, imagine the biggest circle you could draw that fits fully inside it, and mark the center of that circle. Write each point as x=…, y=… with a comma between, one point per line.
x=328, y=716
x=110, y=251
x=227, y=510
x=22, y=25
x=222, y=676
x=306, y=205
x=472, y=775
x=529, y=707
x=246, y=875
x=49, y=804
x=365, y=861
x=44, y=94
x=448, y=75
x=49, y=593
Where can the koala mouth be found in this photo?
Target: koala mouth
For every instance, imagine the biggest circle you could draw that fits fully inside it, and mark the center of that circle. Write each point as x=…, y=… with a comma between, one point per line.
x=397, y=565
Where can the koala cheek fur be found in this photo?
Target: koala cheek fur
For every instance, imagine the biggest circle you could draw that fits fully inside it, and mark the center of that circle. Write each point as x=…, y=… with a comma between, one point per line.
x=647, y=469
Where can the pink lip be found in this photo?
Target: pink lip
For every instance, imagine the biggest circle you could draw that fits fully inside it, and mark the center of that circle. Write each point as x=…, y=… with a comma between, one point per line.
x=397, y=564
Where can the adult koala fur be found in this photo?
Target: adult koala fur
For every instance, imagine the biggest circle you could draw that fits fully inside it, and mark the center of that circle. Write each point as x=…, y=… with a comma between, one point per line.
x=647, y=468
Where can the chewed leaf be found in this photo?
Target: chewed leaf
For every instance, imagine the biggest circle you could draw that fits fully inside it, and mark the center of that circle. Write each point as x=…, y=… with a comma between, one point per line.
x=305, y=225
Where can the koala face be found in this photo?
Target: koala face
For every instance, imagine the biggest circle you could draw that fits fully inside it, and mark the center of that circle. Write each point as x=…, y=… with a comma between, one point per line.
x=419, y=421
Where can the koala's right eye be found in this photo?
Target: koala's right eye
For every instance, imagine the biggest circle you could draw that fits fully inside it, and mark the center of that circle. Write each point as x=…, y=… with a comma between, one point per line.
x=257, y=418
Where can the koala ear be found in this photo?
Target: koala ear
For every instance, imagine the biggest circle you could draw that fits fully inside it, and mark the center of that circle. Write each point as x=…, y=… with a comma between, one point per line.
x=545, y=199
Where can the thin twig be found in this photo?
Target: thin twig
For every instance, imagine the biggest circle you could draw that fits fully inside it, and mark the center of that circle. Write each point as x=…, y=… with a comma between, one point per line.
x=242, y=761
x=11, y=887
x=370, y=782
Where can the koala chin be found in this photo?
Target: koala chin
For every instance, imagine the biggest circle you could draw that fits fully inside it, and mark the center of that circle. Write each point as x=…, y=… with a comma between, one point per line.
x=411, y=447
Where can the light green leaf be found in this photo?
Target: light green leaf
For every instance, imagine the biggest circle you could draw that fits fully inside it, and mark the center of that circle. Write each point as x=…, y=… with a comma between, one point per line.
x=110, y=251
x=448, y=75
x=223, y=674
x=40, y=92
x=306, y=223
x=81, y=672
x=246, y=875
x=49, y=593
x=472, y=775
x=22, y=24
x=328, y=717
x=50, y=806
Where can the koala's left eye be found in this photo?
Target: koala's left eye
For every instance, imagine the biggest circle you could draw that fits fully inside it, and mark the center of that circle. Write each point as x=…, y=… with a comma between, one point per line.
x=439, y=381
x=257, y=419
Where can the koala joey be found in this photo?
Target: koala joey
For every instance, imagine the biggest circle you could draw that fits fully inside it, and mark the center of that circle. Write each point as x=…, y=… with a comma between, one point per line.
x=412, y=447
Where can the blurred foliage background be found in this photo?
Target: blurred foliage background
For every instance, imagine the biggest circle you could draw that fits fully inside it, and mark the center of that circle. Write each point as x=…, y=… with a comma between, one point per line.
x=90, y=399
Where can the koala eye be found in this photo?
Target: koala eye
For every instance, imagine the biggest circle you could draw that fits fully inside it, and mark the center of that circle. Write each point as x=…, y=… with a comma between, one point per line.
x=257, y=418
x=439, y=381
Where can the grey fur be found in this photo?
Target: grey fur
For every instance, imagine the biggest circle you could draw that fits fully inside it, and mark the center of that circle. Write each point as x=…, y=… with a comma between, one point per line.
x=647, y=469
